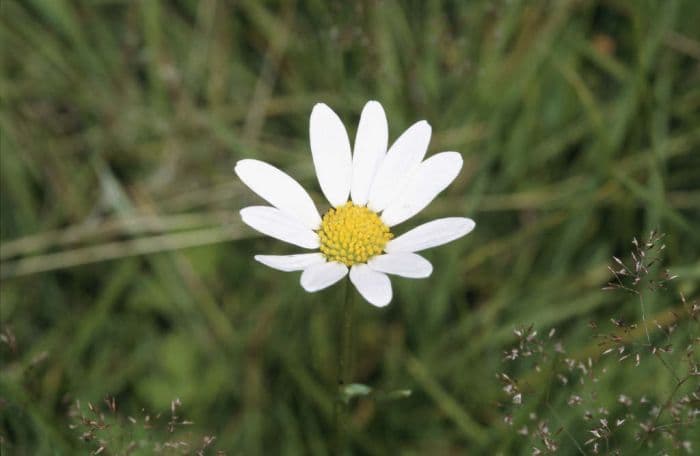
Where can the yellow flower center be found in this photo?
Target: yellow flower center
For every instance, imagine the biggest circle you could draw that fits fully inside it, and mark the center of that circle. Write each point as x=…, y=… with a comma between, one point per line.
x=352, y=234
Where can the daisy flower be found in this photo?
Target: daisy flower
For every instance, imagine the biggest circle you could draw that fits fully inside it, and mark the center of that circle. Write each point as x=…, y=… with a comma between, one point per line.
x=370, y=190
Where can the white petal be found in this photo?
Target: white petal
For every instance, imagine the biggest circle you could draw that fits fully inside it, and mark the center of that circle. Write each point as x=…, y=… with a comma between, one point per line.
x=280, y=190
x=429, y=178
x=374, y=286
x=403, y=156
x=279, y=225
x=431, y=234
x=370, y=147
x=403, y=264
x=288, y=263
x=320, y=276
x=330, y=147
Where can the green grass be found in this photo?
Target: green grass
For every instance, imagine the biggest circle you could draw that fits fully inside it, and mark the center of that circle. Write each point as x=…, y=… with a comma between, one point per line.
x=126, y=271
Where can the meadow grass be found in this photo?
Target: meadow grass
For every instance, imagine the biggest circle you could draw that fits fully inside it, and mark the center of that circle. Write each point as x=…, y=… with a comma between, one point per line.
x=127, y=273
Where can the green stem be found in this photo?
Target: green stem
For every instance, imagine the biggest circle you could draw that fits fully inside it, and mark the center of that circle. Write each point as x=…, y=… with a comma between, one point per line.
x=344, y=370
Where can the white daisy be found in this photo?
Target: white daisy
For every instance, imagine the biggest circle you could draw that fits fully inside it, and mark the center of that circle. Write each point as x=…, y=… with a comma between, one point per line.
x=370, y=191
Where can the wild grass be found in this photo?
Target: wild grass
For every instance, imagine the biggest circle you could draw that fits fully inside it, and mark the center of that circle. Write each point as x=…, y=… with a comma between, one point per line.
x=126, y=272
x=656, y=422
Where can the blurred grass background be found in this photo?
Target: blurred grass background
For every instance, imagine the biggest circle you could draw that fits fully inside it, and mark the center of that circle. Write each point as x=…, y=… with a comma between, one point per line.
x=126, y=271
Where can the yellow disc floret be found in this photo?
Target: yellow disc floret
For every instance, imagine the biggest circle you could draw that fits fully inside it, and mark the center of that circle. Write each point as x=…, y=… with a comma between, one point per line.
x=352, y=234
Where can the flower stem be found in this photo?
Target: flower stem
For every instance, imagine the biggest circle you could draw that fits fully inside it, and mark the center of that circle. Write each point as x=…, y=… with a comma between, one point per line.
x=344, y=370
